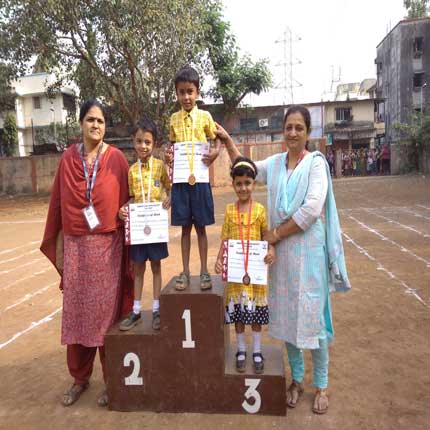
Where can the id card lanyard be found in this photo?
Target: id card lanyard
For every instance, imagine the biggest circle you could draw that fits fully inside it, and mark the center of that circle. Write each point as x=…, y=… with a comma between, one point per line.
x=246, y=279
x=90, y=214
x=90, y=184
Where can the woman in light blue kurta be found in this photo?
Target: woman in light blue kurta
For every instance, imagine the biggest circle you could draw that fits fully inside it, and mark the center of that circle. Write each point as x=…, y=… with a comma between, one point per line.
x=309, y=253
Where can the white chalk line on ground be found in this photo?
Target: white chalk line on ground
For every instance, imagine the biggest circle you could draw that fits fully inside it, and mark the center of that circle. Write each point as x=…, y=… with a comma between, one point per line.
x=32, y=326
x=20, y=256
x=409, y=290
x=6, y=251
x=29, y=263
x=17, y=281
x=33, y=221
x=418, y=215
x=391, y=221
x=382, y=237
x=29, y=296
x=424, y=207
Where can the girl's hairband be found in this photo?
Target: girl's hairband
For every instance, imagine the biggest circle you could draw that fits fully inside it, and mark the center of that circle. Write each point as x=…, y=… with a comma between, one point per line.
x=244, y=163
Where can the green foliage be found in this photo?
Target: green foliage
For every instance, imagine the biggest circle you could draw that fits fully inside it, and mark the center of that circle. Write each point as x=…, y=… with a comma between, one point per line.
x=59, y=134
x=416, y=8
x=415, y=134
x=124, y=52
x=10, y=135
x=235, y=76
x=7, y=97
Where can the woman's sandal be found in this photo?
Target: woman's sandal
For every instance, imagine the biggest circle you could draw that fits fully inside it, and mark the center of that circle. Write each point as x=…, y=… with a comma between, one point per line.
x=182, y=281
x=320, y=405
x=294, y=392
x=103, y=399
x=72, y=394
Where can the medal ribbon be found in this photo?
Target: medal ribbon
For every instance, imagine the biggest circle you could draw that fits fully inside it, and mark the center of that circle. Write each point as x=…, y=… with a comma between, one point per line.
x=190, y=158
x=241, y=234
x=90, y=184
x=141, y=180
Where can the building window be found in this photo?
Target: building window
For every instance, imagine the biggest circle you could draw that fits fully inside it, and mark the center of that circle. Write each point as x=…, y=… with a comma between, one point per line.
x=343, y=114
x=37, y=103
x=378, y=68
x=418, y=80
x=249, y=124
x=418, y=46
x=276, y=122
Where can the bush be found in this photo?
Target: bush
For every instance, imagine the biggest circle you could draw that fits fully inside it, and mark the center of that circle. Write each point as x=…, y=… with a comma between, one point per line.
x=10, y=135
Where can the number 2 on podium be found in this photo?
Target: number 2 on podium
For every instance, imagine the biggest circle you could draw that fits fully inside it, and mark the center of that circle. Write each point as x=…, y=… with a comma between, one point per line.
x=188, y=342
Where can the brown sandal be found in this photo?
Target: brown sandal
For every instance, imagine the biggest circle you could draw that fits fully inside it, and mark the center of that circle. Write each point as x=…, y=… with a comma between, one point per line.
x=320, y=402
x=182, y=281
x=294, y=392
x=72, y=394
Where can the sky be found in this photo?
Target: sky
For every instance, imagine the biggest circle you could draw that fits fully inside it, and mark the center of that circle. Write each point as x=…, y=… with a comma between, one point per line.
x=328, y=36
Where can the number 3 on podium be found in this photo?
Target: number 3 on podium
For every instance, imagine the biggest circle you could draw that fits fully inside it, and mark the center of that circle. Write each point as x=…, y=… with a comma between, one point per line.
x=252, y=393
x=188, y=342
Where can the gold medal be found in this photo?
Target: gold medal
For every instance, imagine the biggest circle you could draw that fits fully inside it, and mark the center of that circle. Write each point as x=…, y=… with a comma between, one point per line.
x=246, y=279
x=192, y=179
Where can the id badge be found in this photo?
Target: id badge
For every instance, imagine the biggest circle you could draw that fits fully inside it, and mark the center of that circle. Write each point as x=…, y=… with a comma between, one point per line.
x=91, y=217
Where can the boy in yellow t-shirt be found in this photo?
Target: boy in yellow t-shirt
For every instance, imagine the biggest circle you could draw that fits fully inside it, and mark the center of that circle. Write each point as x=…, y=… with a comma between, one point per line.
x=147, y=178
x=192, y=203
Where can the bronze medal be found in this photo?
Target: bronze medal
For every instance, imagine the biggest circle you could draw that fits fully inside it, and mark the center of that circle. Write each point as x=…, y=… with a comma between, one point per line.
x=192, y=179
x=246, y=279
x=147, y=230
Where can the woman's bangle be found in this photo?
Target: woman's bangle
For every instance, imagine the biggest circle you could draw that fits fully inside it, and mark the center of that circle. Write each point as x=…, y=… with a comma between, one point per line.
x=276, y=234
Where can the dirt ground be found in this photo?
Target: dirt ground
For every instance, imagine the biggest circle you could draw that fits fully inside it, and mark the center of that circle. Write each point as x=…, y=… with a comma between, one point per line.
x=379, y=362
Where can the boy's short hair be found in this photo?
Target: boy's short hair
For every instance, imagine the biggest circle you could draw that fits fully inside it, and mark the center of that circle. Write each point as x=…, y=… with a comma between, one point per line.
x=146, y=124
x=187, y=74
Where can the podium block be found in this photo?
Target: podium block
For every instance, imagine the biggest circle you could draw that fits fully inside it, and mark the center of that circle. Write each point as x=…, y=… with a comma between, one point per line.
x=188, y=365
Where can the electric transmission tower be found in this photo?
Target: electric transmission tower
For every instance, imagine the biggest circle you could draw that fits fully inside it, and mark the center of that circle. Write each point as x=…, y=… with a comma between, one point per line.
x=288, y=82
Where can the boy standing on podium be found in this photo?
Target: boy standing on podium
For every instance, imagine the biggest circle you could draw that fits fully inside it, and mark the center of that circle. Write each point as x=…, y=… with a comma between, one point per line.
x=192, y=202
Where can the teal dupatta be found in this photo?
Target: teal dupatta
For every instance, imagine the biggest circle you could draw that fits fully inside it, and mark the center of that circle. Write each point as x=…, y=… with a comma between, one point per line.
x=290, y=196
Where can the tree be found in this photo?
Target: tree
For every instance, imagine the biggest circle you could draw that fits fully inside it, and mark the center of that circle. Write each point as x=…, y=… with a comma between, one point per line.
x=128, y=51
x=416, y=8
x=235, y=76
x=7, y=97
x=415, y=134
x=10, y=135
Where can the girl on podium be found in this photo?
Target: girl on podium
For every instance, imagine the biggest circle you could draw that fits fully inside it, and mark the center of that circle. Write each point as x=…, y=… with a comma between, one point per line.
x=245, y=302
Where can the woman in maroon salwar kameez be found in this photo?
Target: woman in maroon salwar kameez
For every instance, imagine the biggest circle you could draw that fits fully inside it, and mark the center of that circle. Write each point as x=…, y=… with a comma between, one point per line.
x=84, y=240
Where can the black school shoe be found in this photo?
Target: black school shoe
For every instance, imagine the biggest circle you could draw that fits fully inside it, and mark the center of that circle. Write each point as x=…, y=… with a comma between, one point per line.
x=129, y=321
x=240, y=364
x=258, y=365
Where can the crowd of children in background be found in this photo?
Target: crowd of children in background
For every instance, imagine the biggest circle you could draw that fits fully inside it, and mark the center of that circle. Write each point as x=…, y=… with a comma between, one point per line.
x=361, y=162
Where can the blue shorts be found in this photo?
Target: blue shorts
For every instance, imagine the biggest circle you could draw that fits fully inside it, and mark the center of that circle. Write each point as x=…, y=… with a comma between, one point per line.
x=149, y=251
x=192, y=204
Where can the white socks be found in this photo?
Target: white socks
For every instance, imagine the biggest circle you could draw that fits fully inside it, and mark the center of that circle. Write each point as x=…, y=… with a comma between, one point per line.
x=136, y=307
x=241, y=345
x=256, y=335
x=155, y=305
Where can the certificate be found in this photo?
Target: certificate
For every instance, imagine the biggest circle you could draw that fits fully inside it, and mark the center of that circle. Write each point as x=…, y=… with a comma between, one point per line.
x=146, y=223
x=234, y=261
x=181, y=162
